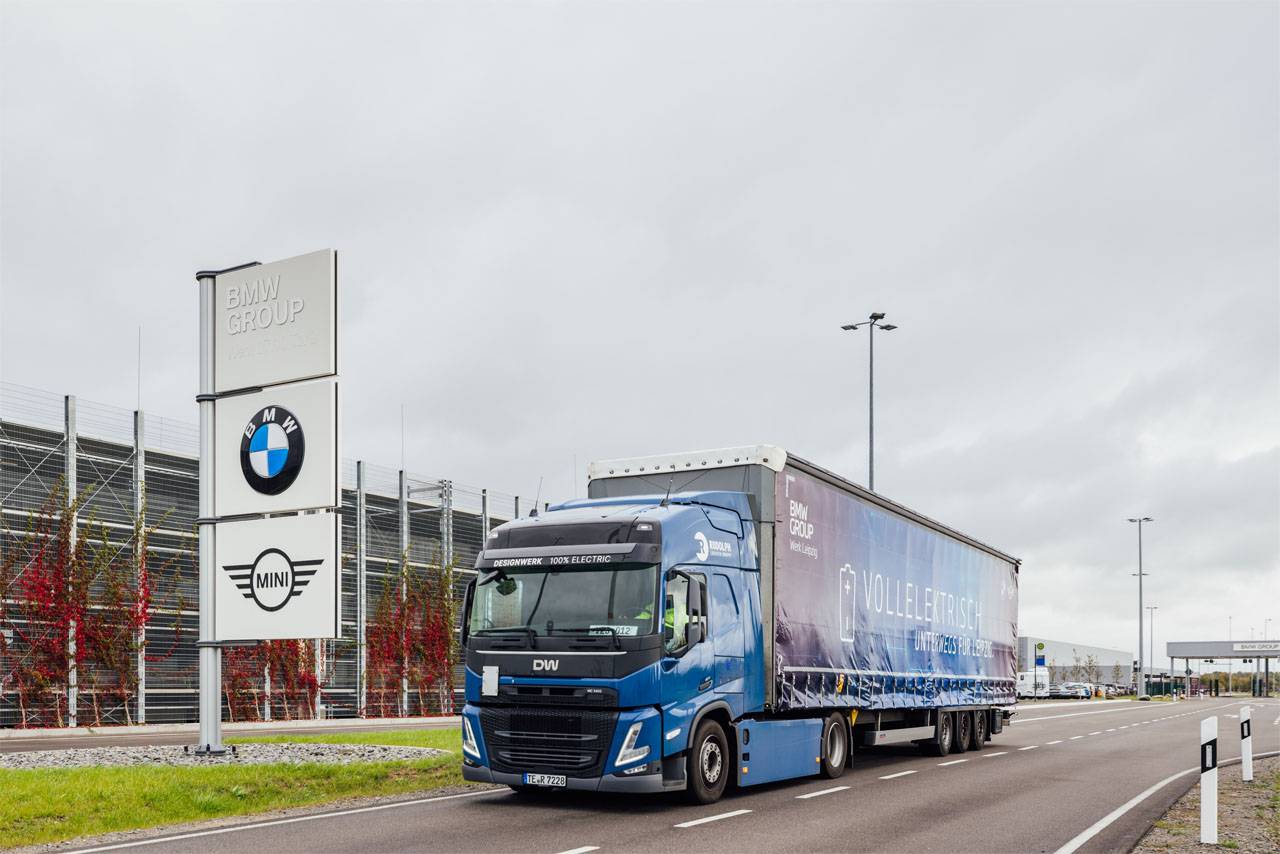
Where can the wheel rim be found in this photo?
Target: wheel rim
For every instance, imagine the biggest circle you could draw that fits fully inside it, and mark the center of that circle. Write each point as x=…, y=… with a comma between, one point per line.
x=835, y=746
x=980, y=727
x=712, y=760
x=964, y=729
x=944, y=730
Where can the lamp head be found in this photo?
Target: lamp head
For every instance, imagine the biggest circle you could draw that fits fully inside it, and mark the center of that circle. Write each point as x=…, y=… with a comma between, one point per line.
x=879, y=315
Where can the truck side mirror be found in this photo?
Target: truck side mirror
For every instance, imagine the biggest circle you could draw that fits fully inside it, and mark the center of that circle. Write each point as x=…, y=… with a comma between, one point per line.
x=465, y=624
x=694, y=633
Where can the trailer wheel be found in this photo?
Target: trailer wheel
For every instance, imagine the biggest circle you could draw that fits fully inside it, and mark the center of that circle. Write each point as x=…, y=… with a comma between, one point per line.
x=964, y=731
x=835, y=746
x=979, y=728
x=707, y=765
x=942, y=745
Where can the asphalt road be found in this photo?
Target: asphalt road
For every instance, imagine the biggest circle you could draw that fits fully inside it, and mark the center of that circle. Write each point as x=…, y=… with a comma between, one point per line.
x=108, y=738
x=1053, y=774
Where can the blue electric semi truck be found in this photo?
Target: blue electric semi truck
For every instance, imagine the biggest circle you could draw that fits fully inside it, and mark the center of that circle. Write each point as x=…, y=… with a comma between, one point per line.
x=728, y=617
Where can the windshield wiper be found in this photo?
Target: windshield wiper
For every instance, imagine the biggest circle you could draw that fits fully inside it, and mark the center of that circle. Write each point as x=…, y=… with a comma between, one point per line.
x=592, y=631
x=527, y=630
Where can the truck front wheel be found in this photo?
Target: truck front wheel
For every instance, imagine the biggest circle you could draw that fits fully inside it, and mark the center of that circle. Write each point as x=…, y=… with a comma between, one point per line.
x=707, y=765
x=835, y=746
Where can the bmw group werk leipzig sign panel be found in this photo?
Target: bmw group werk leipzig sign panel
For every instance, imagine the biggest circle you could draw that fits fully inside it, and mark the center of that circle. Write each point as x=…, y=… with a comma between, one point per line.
x=275, y=450
x=276, y=323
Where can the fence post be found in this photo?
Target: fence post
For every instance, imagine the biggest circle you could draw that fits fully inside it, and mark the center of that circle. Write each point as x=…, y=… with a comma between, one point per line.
x=1209, y=781
x=404, y=581
x=69, y=475
x=266, y=691
x=140, y=556
x=446, y=521
x=362, y=615
x=484, y=518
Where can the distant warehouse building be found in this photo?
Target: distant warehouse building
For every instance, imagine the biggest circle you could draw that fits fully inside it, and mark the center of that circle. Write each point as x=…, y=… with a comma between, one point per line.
x=1076, y=662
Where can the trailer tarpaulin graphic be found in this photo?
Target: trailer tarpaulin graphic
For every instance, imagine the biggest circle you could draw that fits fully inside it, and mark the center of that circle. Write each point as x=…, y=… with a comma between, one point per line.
x=877, y=611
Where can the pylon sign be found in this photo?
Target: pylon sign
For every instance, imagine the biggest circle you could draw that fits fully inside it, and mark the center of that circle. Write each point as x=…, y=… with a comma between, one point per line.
x=275, y=450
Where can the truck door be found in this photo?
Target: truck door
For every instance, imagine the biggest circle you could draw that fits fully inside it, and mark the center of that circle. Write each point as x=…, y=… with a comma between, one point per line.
x=726, y=636
x=688, y=669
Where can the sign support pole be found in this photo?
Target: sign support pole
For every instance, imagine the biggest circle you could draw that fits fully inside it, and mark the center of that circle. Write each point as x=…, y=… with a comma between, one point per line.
x=210, y=655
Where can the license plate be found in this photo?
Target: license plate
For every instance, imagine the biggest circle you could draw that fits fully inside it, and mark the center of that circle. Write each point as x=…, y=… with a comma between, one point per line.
x=545, y=780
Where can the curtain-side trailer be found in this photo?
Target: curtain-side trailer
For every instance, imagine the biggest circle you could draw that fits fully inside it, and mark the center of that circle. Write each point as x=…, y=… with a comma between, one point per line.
x=730, y=616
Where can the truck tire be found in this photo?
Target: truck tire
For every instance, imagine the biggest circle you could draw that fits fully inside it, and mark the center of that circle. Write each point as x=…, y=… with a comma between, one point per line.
x=835, y=746
x=707, y=766
x=964, y=731
x=979, y=730
x=941, y=746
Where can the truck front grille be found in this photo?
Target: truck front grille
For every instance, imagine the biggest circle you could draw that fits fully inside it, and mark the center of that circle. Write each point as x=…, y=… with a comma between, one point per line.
x=572, y=742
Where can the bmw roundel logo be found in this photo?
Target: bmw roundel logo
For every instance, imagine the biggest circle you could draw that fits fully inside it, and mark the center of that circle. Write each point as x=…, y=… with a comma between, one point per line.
x=271, y=450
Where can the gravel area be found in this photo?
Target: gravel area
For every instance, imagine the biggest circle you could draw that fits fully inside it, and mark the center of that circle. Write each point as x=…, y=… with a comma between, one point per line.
x=1248, y=814
x=246, y=754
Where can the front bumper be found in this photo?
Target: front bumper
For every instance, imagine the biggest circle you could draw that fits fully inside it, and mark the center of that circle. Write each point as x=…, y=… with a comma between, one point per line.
x=649, y=783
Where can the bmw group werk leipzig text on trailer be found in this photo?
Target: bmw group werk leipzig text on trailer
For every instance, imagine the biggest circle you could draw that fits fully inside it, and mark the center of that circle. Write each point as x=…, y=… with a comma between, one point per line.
x=735, y=615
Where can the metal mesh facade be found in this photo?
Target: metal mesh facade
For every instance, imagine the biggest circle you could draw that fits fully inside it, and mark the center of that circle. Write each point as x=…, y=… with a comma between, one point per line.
x=129, y=468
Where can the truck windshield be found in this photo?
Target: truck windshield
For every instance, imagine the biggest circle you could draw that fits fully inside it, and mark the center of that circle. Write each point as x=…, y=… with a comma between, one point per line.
x=598, y=600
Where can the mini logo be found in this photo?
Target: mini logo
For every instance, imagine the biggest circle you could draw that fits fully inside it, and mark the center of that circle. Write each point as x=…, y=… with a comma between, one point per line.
x=271, y=450
x=273, y=578
x=704, y=550
x=546, y=664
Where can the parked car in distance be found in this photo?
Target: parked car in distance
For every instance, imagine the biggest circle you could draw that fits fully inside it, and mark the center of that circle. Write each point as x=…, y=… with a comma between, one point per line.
x=1057, y=692
x=1076, y=690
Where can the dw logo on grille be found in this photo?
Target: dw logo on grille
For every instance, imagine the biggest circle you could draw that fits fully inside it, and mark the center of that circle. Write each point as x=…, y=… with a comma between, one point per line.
x=546, y=664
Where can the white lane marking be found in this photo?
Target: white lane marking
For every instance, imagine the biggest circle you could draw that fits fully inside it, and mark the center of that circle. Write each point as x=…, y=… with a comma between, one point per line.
x=583, y=850
x=994, y=755
x=899, y=774
x=823, y=792
x=1110, y=817
x=1111, y=730
x=1099, y=732
x=1059, y=741
x=698, y=821
x=952, y=762
x=1074, y=737
x=1126, y=726
x=238, y=828
x=1029, y=747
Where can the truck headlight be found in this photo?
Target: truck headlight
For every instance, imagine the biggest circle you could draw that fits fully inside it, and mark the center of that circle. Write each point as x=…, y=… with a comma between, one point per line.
x=629, y=752
x=469, y=739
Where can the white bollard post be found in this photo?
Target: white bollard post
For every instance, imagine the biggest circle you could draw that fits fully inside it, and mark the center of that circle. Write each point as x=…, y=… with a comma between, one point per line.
x=1209, y=781
x=1246, y=745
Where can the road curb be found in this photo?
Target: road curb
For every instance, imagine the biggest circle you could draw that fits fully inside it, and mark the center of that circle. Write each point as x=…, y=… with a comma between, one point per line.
x=244, y=726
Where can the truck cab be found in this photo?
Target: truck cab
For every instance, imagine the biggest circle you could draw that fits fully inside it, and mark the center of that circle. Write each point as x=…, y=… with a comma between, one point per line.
x=610, y=643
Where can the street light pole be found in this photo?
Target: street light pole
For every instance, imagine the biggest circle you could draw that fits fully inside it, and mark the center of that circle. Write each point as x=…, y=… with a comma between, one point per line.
x=1140, y=573
x=1152, y=639
x=871, y=325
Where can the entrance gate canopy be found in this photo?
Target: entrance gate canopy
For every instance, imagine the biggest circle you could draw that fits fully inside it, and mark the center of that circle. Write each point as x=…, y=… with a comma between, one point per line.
x=1223, y=649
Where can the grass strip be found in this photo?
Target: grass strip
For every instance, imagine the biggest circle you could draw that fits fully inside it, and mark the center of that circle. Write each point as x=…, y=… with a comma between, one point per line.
x=57, y=804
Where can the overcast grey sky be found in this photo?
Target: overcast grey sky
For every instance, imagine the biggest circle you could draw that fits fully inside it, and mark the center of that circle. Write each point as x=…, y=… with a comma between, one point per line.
x=598, y=230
